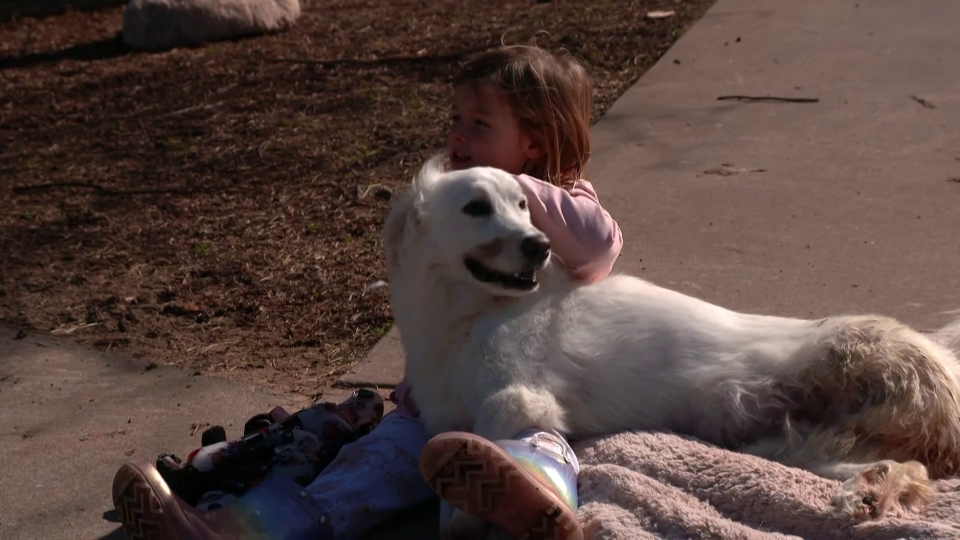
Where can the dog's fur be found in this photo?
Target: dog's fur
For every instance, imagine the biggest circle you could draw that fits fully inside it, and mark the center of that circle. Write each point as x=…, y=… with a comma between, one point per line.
x=862, y=399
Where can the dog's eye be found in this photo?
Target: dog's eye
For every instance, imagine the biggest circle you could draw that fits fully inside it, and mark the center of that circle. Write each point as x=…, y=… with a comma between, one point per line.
x=523, y=204
x=478, y=208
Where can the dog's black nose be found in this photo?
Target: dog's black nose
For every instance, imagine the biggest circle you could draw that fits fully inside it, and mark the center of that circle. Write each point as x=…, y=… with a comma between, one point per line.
x=535, y=248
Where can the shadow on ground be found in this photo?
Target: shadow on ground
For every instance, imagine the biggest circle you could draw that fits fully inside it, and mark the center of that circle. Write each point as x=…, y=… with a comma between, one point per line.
x=12, y=9
x=115, y=535
x=103, y=49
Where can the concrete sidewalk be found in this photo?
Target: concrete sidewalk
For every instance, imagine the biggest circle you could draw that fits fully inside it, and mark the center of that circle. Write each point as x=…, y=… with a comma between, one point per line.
x=71, y=416
x=855, y=209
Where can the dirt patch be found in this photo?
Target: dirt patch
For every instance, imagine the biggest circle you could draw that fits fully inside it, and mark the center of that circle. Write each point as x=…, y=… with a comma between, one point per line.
x=217, y=209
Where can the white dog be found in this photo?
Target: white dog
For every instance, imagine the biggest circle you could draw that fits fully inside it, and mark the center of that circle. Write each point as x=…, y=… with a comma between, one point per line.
x=498, y=339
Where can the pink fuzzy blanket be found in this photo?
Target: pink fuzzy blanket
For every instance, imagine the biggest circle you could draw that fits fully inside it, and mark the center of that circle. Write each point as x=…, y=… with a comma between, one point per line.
x=655, y=485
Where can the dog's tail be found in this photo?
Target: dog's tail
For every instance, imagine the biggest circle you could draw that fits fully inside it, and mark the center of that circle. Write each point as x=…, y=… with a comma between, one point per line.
x=949, y=336
x=888, y=393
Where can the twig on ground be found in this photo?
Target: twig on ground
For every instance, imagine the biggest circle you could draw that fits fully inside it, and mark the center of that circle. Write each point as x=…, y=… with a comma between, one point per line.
x=340, y=368
x=923, y=102
x=373, y=286
x=211, y=346
x=369, y=189
x=68, y=331
x=729, y=169
x=770, y=98
x=186, y=110
x=24, y=189
x=144, y=111
x=401, y=59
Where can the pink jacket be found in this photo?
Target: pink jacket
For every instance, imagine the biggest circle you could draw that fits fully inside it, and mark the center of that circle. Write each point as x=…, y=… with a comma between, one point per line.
x=582, y=234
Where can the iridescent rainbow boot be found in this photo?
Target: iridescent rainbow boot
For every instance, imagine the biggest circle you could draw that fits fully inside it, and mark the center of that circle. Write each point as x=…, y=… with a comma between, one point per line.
x=526, y=485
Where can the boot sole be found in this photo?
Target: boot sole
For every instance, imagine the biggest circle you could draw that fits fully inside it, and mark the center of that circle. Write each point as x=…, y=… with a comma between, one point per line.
x=139, y=501
x=478, y=477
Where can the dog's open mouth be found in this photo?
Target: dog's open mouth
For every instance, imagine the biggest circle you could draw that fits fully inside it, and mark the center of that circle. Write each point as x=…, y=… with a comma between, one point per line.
x=522, y=281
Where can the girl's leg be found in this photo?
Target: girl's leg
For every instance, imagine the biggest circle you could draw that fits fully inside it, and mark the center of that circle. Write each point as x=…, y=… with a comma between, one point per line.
x=370, y=481
x=526, y=485
x=293, y=447
x=374, y=478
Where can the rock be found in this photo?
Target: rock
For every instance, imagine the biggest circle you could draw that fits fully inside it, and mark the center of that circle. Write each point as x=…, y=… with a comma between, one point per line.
x=164, y=24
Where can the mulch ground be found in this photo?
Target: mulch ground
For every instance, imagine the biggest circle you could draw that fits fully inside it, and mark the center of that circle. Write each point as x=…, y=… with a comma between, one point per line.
x=218, y=208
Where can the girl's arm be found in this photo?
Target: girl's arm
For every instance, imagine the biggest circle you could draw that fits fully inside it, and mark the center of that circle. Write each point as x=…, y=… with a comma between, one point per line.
x=581, y=232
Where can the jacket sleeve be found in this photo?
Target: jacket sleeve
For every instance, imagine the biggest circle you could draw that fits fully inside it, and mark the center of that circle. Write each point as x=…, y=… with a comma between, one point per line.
x=582, y=234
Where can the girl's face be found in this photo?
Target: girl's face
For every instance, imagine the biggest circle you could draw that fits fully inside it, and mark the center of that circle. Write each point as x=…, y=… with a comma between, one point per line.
x=484, y=131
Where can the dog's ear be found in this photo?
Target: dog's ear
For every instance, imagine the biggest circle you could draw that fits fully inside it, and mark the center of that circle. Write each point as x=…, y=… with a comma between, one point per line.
x=404, y=215
x=406, y=211
x=431, y=170
x=402, y=210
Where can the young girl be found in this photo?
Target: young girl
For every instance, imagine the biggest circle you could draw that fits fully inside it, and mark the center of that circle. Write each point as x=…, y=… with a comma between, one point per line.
x=527, y=112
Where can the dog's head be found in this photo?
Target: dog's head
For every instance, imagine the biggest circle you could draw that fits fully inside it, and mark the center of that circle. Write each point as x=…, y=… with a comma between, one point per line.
x=473, y=225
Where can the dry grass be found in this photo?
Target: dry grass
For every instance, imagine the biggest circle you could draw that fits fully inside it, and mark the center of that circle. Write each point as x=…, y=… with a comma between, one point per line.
x=219, y=210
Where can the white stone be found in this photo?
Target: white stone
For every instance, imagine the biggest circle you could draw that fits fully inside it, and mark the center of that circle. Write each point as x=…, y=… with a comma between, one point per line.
x=165, y=24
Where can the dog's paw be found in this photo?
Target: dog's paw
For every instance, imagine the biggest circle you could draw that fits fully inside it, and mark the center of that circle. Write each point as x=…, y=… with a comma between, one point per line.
x=884, y=489
x=464, y=526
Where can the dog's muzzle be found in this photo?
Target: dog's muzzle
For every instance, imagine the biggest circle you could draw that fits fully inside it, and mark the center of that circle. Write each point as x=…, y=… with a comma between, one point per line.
x=535, y=251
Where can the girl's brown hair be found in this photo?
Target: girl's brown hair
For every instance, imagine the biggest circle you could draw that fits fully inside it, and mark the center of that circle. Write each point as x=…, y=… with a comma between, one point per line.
x=552, y=98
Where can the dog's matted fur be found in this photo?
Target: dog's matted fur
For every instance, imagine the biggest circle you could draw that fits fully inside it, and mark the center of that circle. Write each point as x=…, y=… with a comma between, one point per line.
x=498, y=339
